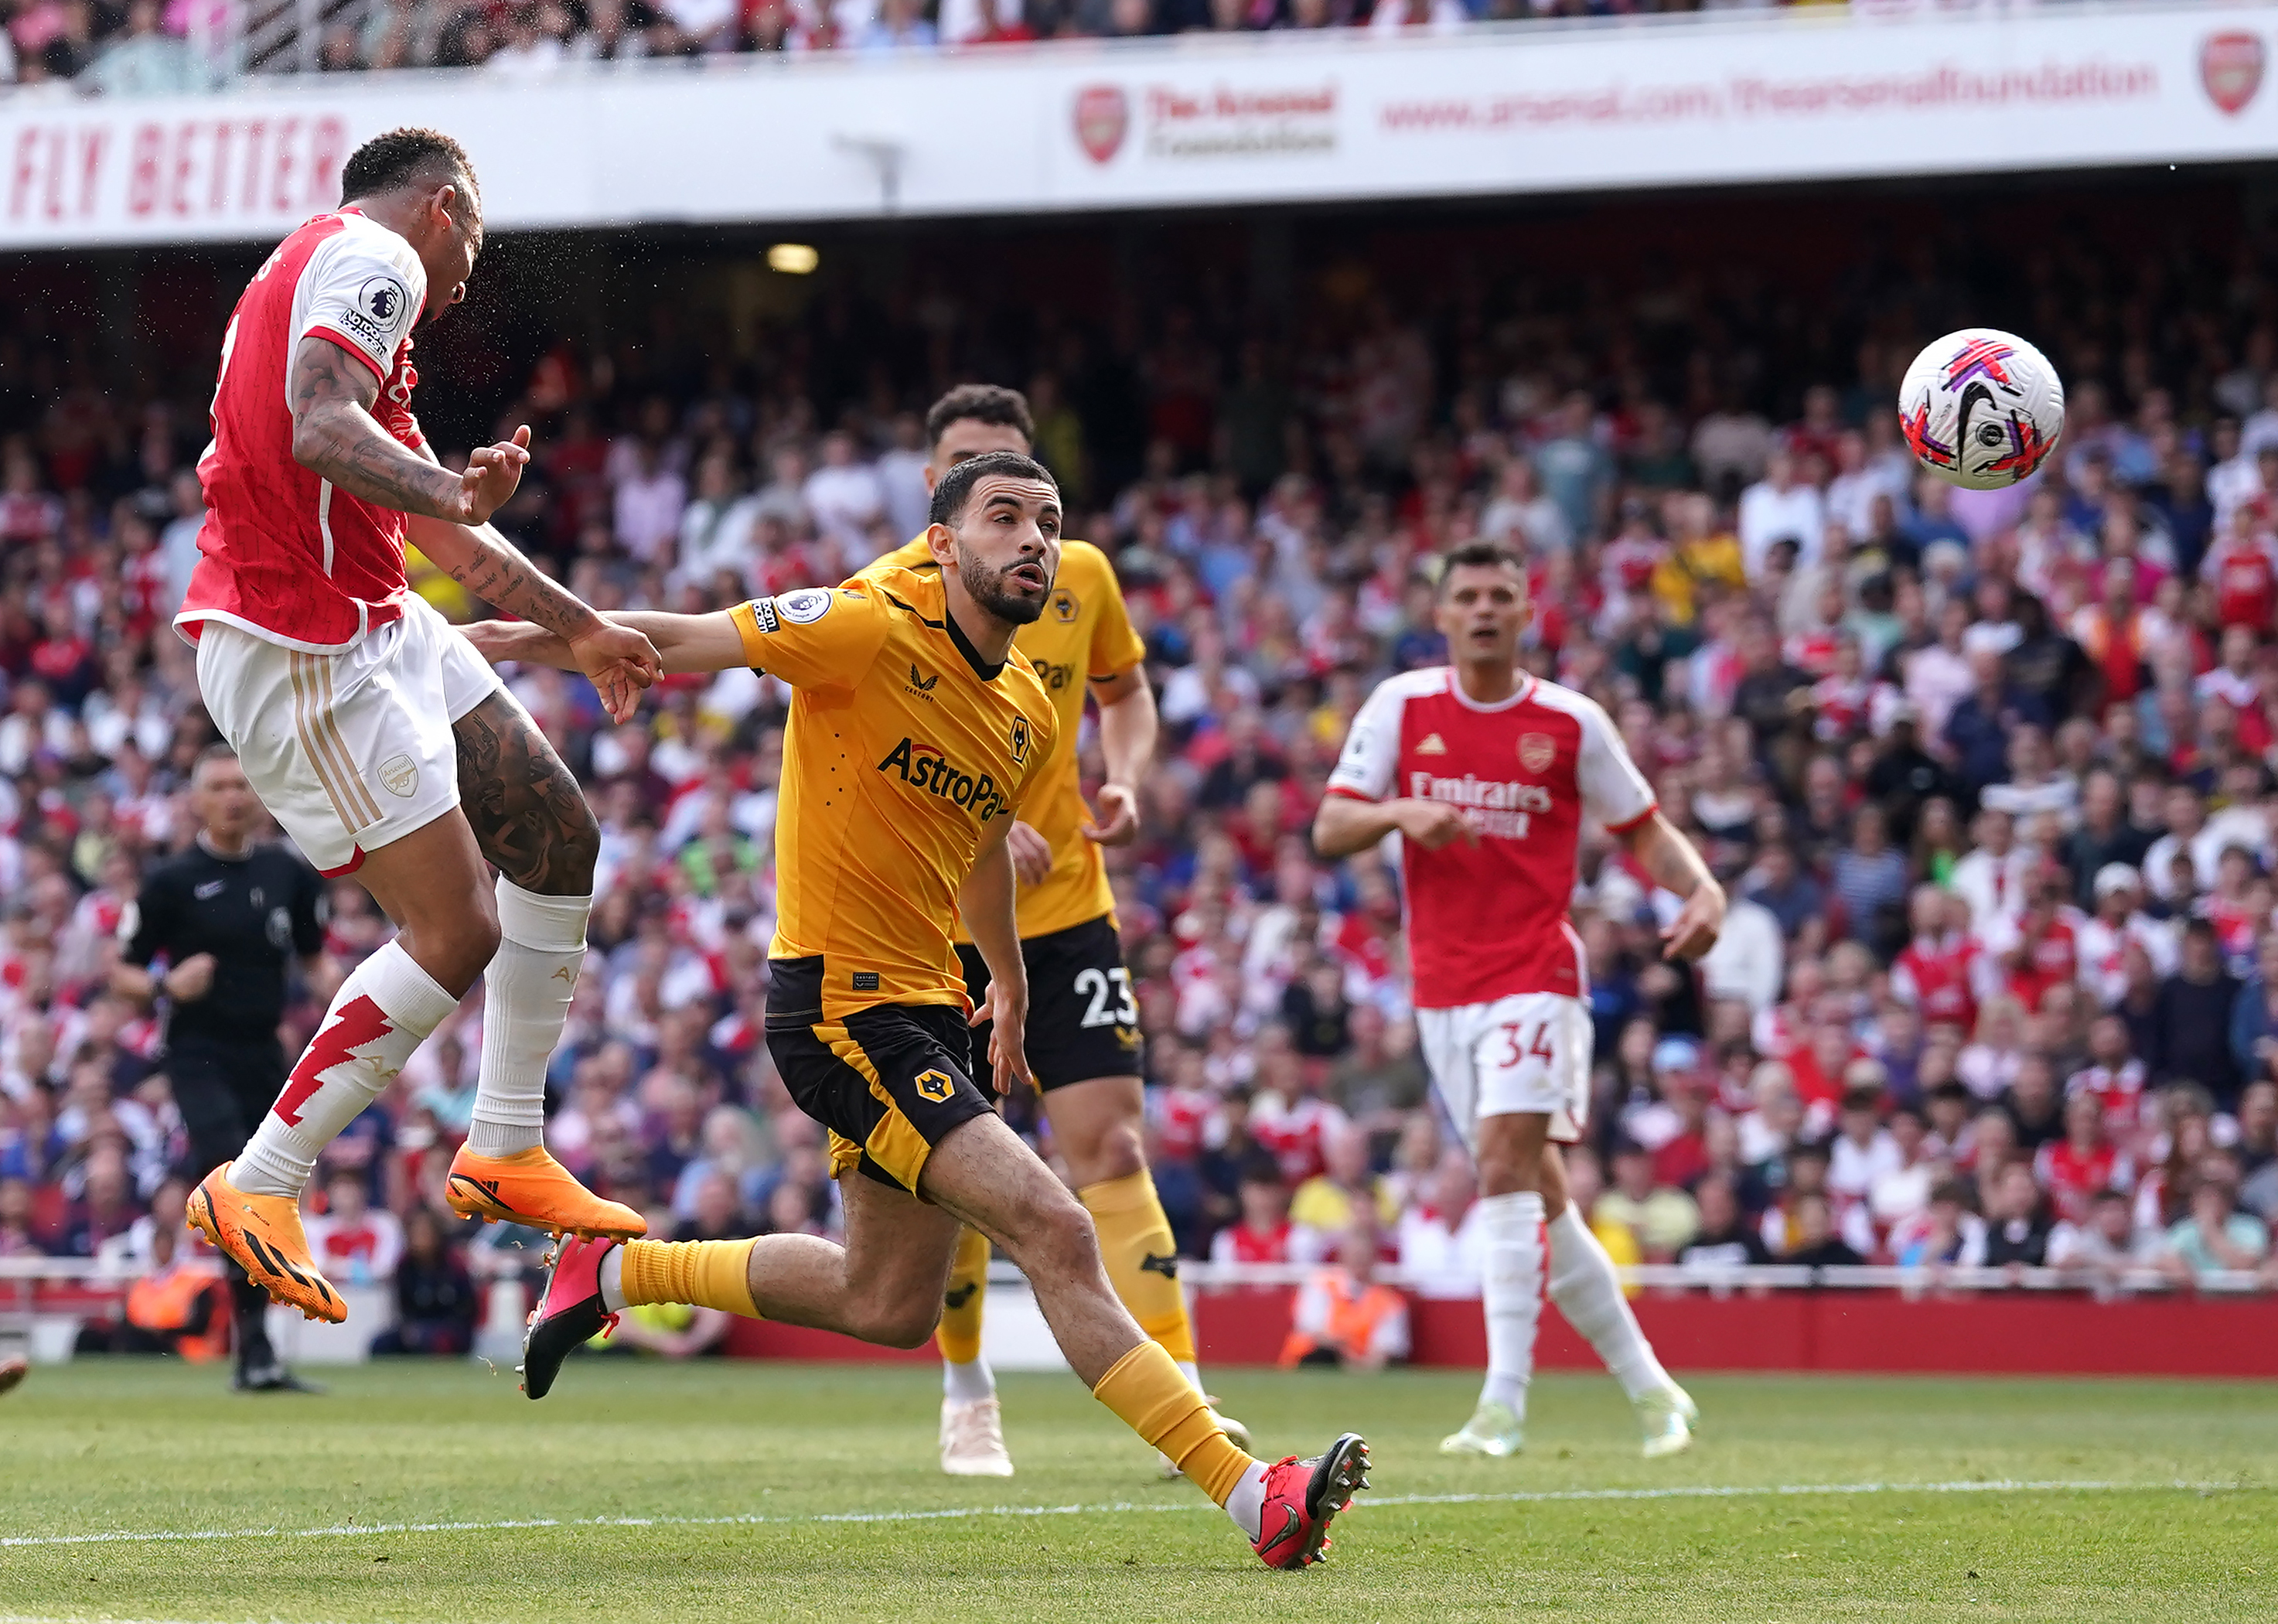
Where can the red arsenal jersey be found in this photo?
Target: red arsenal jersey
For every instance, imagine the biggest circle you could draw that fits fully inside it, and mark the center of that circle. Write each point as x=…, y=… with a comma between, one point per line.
x=1935, y=975
x=2242, y=567
x=284, y=554
x=1489, y=921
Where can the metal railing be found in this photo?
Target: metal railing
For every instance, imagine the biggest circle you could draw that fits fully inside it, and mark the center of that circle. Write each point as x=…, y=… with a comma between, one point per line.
x=236, y=39
x=1735, y=1280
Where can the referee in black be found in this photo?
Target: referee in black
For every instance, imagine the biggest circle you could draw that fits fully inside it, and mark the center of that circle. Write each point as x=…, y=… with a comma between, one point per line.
x=228, y=917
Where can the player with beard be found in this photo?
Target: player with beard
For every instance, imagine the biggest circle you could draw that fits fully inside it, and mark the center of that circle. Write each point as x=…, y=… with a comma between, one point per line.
x=1083, y=1035
x=913, y=740
x=1488, y=773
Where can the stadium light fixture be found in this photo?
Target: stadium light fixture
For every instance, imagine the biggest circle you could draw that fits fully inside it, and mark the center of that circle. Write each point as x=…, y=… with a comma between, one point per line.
x=793, y=259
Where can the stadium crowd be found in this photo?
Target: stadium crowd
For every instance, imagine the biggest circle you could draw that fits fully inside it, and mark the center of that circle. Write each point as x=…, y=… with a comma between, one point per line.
x=1989, y=775
x=147, y=47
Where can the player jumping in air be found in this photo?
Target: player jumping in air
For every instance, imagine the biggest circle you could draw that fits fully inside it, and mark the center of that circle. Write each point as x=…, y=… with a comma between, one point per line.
x=1083, y=1028
x=1487, y=773
x=377, y=736
x=913, y=741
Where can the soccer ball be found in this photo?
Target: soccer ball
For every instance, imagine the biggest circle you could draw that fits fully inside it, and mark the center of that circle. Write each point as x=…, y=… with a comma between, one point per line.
x=1981, y=409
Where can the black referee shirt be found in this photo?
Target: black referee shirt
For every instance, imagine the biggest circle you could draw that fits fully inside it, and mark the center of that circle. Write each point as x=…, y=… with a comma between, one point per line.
x=253, y=913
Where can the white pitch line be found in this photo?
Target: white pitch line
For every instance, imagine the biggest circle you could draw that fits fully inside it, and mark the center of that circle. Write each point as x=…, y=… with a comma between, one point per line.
x=105, y=1618
x=1122, y=1507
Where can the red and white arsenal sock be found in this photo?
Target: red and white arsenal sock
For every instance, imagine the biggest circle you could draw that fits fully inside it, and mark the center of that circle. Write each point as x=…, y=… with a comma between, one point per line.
x=1588, y=1291
x=526, y=994
x=1515, y=1261
x=382, y=1012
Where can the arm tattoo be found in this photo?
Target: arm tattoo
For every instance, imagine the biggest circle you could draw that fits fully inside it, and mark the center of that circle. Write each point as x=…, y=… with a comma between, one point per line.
x=527, y=815
x=497, y=574
x=336, y=436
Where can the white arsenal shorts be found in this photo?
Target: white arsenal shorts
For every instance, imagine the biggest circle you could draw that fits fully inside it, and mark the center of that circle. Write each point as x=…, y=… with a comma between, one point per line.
x=1530, y=1052
x=348, y=751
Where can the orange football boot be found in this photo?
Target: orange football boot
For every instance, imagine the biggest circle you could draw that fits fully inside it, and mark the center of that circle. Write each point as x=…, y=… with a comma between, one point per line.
x=263, y=1233
x=530, y=1187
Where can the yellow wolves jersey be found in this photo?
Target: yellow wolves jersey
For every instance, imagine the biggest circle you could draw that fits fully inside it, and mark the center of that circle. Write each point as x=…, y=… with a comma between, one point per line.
x=1084, y=632
x=902, y=746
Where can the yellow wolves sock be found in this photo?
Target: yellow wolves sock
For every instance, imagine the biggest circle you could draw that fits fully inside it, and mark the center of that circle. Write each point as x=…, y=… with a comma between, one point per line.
x=1142, y=1260
x=711, y=1274
x=1148, y=1394
x=959, y=1336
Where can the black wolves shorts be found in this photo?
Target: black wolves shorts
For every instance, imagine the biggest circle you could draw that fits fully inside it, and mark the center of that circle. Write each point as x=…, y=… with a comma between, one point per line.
x=1083, y=1023
x=889, y=1082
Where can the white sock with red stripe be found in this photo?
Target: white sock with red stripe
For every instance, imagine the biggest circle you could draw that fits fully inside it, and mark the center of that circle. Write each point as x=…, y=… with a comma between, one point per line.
x=526, y=994
x=1513, y=1225
x=383, y=1012
x=1588, y=1292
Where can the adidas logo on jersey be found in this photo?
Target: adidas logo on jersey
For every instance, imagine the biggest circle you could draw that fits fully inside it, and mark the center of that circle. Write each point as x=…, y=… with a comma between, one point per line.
x=1432, y=745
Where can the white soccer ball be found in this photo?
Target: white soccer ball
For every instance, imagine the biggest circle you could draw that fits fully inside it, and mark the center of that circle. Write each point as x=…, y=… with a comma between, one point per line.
x=1981, y=409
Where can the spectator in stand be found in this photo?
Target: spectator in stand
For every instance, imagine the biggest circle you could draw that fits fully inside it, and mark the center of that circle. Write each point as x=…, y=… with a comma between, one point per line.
x=437, y=1303
x=1781, y=507
x=1439, y=1236
x=179, y=1305
x=1788, y=890
x=1817, y=1244
x=353, y=1243
x=1946, y=1234
x=2257, y=1149
x=1342, y=1318
x=1870, y=883
x=2016, y=1221
x=1262, y=1233
x=1343, y=1193
x=1662, y=1218
x=2216, y=1236
x=2105, y=1250
x=1726, y=1239
x=2190, y=1025
x=2032, y=1104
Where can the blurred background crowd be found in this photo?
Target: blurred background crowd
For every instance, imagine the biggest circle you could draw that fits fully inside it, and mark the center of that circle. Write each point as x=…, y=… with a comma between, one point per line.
x=1988, y=776
x=149, y=47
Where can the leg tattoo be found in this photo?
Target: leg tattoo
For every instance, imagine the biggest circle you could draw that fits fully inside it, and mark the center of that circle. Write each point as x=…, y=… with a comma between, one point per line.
x=527, y=814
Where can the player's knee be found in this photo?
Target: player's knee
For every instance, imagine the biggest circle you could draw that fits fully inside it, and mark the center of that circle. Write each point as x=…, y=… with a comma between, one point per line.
x=902, y=1321
x=1502, y=1175
x=455, y=946
x=478, y=931
x=1116, y=1154
x=1065, y=1241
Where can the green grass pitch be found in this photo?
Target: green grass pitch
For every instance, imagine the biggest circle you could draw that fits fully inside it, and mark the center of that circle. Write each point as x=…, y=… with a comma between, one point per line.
x=1561, y=1533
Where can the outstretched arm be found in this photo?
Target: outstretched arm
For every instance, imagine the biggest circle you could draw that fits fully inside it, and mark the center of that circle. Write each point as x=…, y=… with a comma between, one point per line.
x=683, y=643
x=619, y=662
x=332, y=393
x=1677, y=867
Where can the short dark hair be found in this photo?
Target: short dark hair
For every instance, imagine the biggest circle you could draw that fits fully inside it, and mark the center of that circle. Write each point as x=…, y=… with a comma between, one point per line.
x=1260, y=1169
x=1478, y=554
x=956, y=487
x=981, y=403
x=395, y=159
